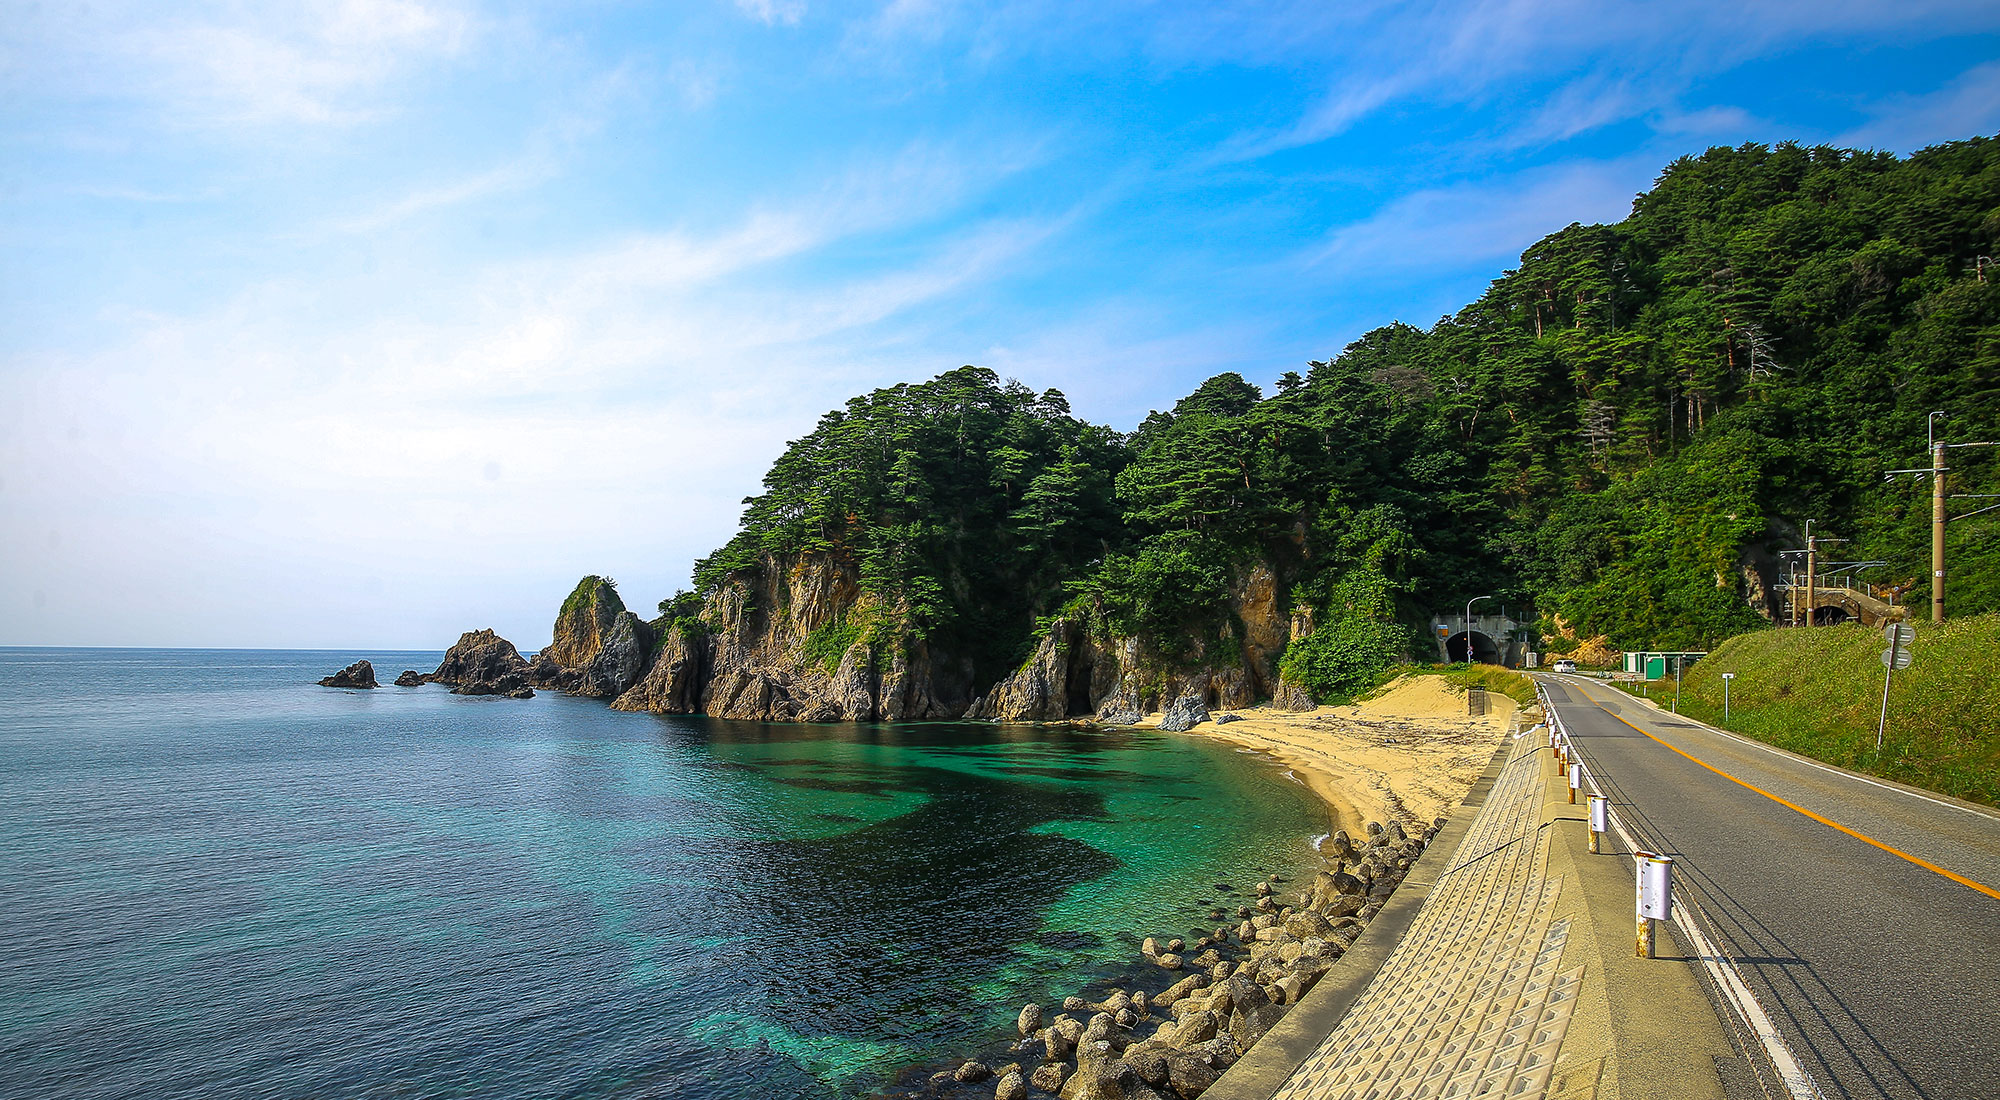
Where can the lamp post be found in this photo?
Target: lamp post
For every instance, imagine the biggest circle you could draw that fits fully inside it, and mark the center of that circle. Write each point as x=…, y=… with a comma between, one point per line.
x=1468, y=625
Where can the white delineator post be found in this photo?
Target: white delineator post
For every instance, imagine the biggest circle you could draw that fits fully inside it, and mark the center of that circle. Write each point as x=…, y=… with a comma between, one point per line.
x=1575, y=780
x=1656, y=896
x=1600, y=821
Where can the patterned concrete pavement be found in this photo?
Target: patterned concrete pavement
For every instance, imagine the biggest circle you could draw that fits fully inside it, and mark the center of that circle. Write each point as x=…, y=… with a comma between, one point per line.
x=1471, y=1003
x=1503, y=967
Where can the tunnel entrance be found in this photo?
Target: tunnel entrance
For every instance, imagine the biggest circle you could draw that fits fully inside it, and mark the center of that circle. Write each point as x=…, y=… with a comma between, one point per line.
x=1484, y=650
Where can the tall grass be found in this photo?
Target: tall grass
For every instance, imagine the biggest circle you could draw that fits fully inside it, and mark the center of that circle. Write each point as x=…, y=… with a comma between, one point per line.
x=1818, y=692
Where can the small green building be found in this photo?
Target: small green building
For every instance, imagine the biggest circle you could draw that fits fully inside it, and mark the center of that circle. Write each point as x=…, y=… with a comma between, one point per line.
x=1661, y=666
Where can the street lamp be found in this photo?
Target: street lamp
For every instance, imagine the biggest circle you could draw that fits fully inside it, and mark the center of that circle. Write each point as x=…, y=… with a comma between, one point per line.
x=1468, y=625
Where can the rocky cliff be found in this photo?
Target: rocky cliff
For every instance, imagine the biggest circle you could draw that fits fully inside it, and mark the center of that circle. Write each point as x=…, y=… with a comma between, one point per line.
x=597, y=647
x=796, y=640
x=1080, y=667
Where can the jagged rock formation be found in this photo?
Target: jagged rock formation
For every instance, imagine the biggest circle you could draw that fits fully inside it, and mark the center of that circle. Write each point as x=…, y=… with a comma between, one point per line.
x=1079, y=668
x=360, y=674
x=411, y=678
x=620, y=661
x=484, y=663
x=587, y=618
x=796, y=640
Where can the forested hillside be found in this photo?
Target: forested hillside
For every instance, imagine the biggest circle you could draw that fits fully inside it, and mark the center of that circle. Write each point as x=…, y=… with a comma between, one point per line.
x=1616, y=433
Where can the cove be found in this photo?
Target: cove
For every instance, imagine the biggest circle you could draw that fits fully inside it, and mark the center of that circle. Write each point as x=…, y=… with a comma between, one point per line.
x=225, y=881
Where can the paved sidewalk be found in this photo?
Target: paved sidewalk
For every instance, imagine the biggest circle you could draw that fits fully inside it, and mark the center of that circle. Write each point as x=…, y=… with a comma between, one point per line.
x=1514, y=978
x=1472, y=1003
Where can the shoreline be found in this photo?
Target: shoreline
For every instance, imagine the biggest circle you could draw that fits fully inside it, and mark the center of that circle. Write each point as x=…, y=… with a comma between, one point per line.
x=1406, y=756
x=1388, y=771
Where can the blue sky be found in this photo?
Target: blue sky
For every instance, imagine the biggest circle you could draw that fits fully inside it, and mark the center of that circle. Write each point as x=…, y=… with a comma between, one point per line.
x=359, y=323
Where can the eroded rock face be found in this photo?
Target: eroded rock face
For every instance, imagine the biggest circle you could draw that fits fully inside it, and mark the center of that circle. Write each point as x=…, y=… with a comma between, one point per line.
x=673, y=683
x=411, y=678
x=483, y=663
x=620, y=660
x=586, y=620
x=360, y=674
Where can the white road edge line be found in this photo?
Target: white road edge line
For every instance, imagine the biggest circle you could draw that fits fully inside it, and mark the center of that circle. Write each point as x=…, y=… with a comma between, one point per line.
x=1828, y=768
x=1721, y=968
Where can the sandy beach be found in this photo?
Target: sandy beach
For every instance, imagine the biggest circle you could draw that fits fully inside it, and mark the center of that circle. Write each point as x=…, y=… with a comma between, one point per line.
x=1408, y=755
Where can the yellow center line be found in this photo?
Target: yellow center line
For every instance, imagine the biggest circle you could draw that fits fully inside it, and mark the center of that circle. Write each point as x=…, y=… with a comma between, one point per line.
x=1894, y=851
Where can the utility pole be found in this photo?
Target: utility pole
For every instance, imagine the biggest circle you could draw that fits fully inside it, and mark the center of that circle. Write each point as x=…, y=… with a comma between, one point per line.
x=1937, y=532
x=1811, y=559
x=1936, y=471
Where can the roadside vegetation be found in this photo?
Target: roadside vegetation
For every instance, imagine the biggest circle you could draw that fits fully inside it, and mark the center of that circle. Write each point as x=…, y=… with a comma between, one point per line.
x=1818, y=693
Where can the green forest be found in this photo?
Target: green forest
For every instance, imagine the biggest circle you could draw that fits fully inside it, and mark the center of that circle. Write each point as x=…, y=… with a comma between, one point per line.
x=1602, y=437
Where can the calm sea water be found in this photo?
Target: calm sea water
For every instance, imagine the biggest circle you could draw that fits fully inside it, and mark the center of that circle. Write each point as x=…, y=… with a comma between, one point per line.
x=220, y=880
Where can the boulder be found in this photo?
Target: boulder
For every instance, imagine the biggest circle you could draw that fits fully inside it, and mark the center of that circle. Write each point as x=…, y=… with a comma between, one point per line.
x=1012, y=1086
x=1048, y=1077
x=1149, y=1062
x=1184, y=713
x=1189, y=1073
x=971, y=1073
x=411, y=678
x=1246, y=1026
x=1030, y=1020
x=1099, y=1075
x=360, y=674
x=1221, y=718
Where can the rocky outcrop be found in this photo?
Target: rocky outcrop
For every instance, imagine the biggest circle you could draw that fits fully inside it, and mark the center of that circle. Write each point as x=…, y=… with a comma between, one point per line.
x=591, y=617
x=484, y=663
x=360, y=674
x=796, y=640
x=411, y=678
x=1183, y=714
x=587, y=618
x=1079, y=668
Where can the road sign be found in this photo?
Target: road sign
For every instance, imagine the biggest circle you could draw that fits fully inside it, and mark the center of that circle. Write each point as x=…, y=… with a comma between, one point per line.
x=1901, y=658
x=1899, y=634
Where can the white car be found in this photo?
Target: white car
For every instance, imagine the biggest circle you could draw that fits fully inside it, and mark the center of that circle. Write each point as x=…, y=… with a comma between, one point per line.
x=1565, y=666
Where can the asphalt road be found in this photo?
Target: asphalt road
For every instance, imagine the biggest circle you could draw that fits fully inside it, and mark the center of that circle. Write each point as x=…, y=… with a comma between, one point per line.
x=1883, y=976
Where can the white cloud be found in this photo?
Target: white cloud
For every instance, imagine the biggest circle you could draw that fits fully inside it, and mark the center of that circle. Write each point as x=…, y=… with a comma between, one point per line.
x=400, y=460
x=225, y=64
x=1461, y=52
x=1475, y=224
x=1967, y=106
x=771, y=13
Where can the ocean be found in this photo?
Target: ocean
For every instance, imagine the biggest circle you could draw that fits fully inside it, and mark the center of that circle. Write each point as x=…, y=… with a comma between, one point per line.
x=218, y=879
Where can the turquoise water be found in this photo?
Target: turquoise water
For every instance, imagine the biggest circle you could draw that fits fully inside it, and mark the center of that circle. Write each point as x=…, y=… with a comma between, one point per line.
x=220, y=880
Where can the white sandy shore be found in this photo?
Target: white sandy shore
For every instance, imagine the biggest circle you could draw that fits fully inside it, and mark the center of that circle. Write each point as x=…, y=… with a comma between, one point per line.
x=1408, y=755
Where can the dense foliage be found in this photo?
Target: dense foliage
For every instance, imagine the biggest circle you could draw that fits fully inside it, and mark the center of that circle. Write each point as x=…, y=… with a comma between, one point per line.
x=1609, y=433
x=964, y=502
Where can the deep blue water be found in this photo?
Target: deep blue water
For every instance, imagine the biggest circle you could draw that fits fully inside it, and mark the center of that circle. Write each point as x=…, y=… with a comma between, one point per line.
x=218, y=879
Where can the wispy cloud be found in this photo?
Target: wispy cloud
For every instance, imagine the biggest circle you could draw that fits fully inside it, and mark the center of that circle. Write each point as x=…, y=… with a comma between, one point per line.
x=1473, y=225
x=1460, y=52
x=773, y=13
x=319, y=62
x=1969, y=105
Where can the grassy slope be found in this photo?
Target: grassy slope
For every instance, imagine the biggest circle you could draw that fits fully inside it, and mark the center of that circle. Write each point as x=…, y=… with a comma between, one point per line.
x=1818, y=692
